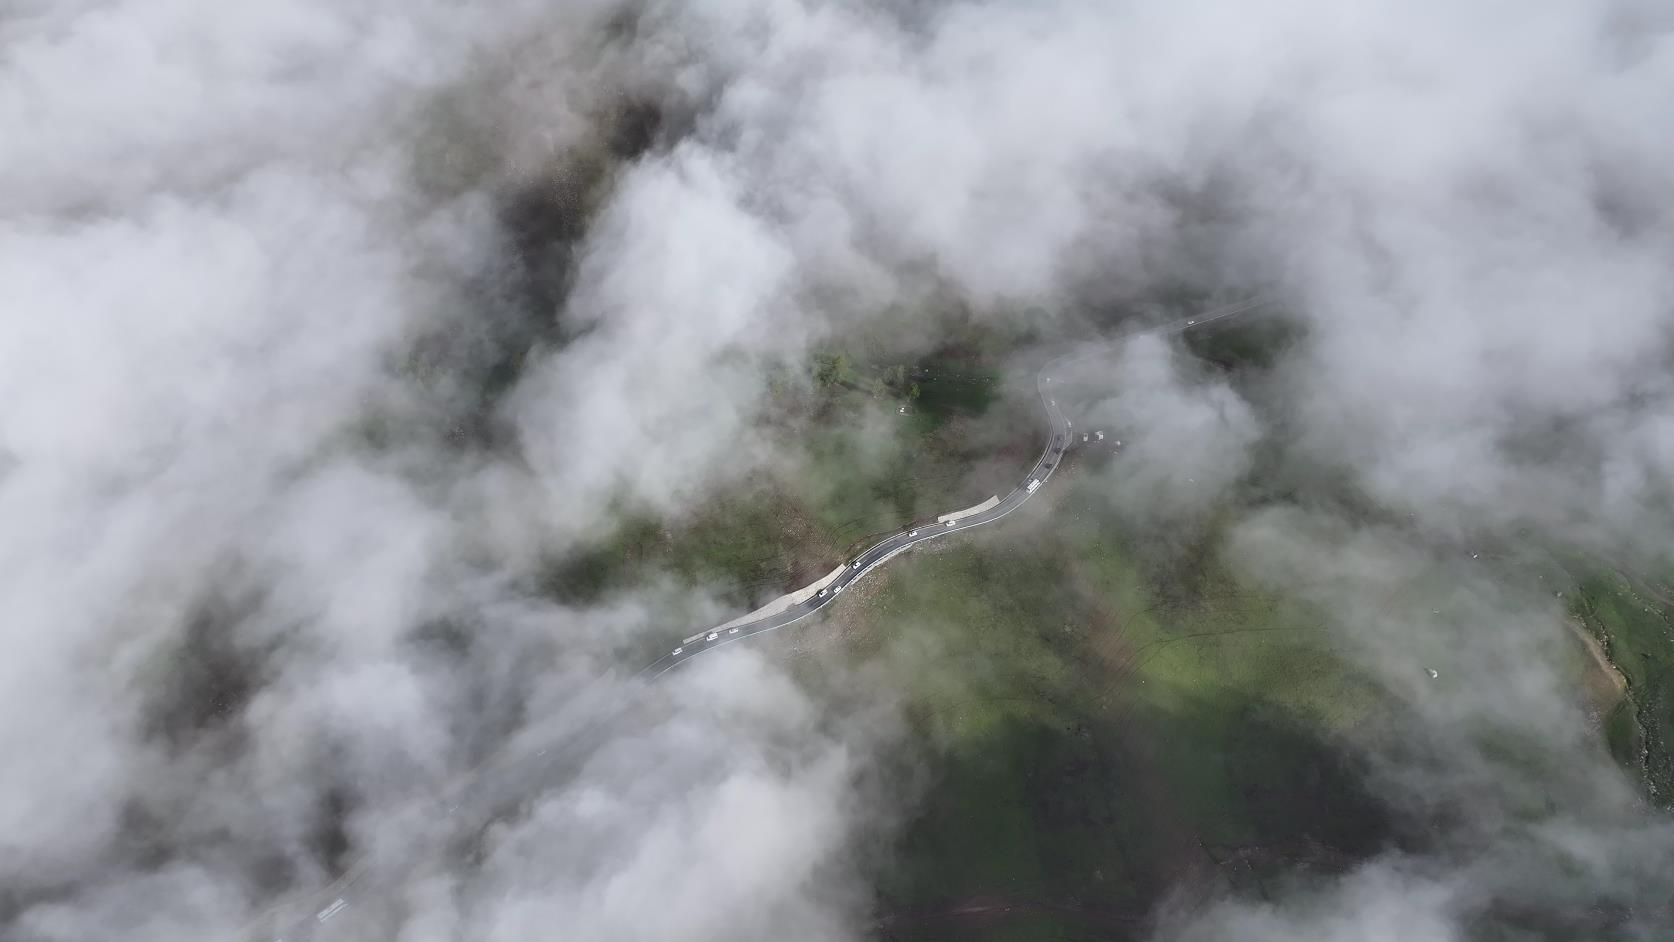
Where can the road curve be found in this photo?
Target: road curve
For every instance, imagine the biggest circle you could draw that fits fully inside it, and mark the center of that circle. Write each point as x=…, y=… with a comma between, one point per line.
x=498, y=779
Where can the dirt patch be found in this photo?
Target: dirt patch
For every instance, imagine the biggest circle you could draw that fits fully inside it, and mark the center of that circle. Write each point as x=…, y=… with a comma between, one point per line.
x=1603, y=686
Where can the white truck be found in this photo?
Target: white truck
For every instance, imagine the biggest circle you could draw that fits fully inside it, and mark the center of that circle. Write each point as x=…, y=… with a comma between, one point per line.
x=1033, y=484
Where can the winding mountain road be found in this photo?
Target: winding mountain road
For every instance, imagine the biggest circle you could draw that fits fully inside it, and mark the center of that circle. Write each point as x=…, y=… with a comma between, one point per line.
x=476, y=795
x=1058, y=441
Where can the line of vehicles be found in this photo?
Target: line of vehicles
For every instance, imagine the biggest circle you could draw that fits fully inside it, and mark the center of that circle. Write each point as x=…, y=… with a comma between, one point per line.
x=1057, y=449
x=336, y=907
x=856, y=564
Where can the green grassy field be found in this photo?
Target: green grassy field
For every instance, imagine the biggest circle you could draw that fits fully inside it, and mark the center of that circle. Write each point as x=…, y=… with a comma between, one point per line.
x=1638, y=634
x=1094, y=740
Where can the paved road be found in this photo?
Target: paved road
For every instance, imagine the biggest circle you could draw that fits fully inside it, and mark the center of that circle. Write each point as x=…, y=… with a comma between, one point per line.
x=477, y=795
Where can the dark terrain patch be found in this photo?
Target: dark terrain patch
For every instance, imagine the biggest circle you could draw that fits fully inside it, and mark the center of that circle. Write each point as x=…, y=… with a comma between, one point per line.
x=210, y=677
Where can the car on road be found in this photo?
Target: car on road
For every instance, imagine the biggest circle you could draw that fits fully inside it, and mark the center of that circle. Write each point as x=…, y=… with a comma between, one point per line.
x=1033, y=484
x=712, y=636
x=822, y=593
x=732, y=631
x=676, y=652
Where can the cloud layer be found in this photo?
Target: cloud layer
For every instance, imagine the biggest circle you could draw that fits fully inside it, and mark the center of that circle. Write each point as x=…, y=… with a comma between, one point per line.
x=325, y=323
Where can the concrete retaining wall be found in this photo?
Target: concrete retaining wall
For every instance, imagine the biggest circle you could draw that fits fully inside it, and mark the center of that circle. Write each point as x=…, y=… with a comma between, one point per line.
x=960, y=514
x=776, y=606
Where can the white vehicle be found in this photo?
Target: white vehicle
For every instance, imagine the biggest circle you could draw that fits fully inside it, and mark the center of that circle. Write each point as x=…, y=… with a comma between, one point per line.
x=1191, y=323
x=837, y=591
x=733, y=631
x=712, y=636
x=856, y=564
x=914, y=533
x=1431, y=672
x=1083, y=437
x=676, y=651
x=822, y=593
x=1033, y=484
x=332, y=910
x=1100, y=435
x=952, y=522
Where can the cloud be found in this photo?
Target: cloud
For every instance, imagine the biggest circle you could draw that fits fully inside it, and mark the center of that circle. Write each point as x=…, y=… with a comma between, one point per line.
x=1185, y=444
x=1379, y=903
x=262, y=592
x=680, y=287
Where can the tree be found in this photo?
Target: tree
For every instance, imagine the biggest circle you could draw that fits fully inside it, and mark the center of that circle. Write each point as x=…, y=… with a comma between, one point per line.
x=829, y=368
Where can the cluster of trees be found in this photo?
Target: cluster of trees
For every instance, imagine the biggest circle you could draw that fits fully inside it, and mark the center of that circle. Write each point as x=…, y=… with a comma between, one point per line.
x=830, y=368
x=835, y=369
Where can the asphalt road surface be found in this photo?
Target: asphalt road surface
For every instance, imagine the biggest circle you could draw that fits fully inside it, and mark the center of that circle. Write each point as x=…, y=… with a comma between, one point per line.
x=476, y=796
